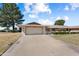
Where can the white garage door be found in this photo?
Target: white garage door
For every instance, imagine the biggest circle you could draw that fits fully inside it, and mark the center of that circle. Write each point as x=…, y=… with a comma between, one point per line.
x=34, y=31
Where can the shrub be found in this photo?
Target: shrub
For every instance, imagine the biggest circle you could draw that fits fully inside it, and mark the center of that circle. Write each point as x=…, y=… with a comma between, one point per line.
x=65, y=32
x=74, y=32
x=61, y=32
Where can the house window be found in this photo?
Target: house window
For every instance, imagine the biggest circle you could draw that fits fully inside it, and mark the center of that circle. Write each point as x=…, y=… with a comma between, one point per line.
x=53, y=29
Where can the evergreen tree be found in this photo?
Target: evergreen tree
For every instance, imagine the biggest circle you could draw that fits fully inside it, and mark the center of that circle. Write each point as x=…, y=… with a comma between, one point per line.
x=10, y=15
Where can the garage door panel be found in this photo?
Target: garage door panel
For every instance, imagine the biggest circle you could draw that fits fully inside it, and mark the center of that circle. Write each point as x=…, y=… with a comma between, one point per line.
x=34, y=31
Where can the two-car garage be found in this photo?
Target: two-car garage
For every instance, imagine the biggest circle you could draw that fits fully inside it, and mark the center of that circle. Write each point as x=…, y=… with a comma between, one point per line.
x=34, y=30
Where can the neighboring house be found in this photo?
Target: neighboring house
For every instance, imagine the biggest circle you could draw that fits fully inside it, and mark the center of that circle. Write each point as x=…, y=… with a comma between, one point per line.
x=36, y=28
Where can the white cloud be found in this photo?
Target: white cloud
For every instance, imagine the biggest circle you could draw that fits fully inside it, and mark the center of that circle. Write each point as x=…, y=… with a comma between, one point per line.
x=27, y=7
x=41, y=7
x=74, y=6
x=33, y=9
x=33, y=16
x=66, y=8
x=71, y=6
x=45, y=22
x=58, y=18
x=66, y=18
x=37, y=8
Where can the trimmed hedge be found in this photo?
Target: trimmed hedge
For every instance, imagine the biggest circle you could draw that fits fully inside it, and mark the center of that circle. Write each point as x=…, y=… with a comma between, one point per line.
x=59, y=32
x=64, y=32
x=74, y=32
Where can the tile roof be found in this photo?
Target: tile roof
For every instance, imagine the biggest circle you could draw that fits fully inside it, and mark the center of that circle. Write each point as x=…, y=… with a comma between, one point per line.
x=33, y=23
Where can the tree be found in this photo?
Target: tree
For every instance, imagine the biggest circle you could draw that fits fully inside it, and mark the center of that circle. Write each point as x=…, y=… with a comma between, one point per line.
x=4, y=21
x=60, y=22
x=10, y=15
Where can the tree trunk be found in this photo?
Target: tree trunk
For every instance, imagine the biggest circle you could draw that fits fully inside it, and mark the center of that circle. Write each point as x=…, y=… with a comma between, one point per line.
x=7, y=27
x=13, y=26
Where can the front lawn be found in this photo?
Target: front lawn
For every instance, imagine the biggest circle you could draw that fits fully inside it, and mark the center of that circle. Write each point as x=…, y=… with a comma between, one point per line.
x=6, y=40
x=69, y=38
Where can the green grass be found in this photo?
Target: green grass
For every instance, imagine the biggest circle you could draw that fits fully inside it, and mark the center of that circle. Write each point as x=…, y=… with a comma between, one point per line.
x=69, y=38
x=6, y=40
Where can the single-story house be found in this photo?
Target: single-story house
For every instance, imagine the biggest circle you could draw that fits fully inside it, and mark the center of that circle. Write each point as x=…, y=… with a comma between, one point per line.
x=36, y=28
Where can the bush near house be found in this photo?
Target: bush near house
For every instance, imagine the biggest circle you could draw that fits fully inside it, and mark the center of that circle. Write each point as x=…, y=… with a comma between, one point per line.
x=61, y=32
x=65, y=32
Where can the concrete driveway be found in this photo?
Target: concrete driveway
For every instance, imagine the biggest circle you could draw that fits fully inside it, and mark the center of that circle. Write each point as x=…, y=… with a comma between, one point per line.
x=40, y=45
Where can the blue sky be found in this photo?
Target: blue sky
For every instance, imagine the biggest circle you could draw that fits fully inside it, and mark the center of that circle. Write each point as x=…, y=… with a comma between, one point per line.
x=48, y=13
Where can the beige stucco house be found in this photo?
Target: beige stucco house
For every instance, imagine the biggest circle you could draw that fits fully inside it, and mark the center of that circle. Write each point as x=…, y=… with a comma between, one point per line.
x=33, y=28
x=36, y=28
